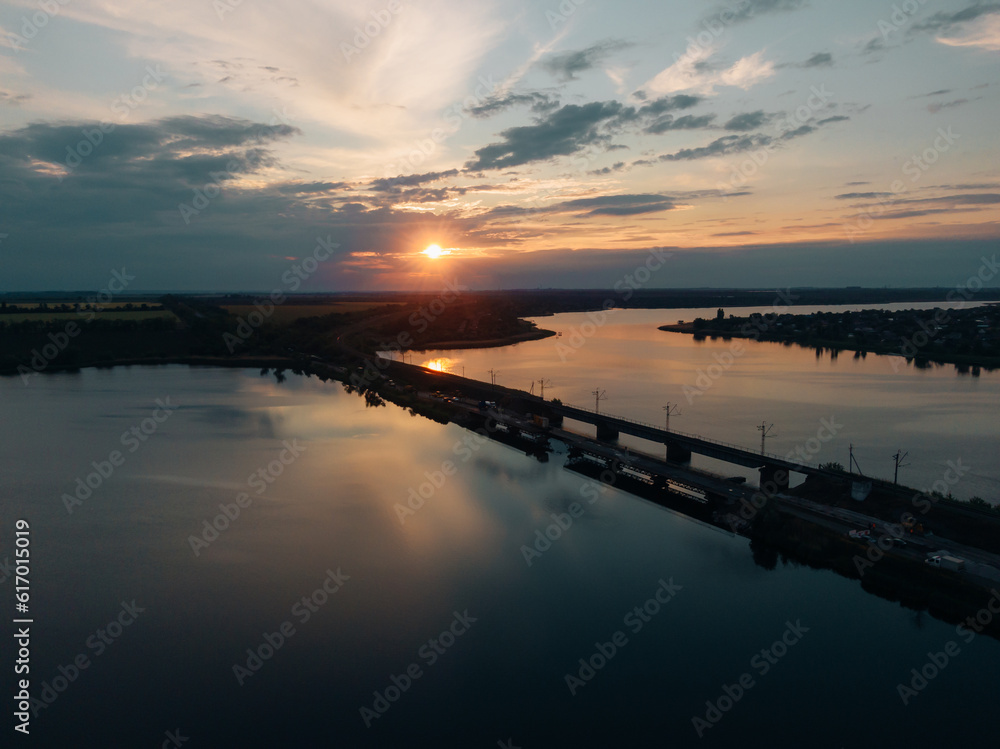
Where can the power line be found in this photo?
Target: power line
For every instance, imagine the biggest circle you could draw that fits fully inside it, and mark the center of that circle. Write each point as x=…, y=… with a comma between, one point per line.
x=599, y=395
x=674, y=409
x=898, y=458
x=764, y=430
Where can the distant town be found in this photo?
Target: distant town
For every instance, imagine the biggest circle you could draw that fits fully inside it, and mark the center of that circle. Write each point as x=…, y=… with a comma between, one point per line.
x=964, y=337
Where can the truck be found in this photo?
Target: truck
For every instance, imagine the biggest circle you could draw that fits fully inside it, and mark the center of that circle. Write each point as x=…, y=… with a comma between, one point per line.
x=946, y=562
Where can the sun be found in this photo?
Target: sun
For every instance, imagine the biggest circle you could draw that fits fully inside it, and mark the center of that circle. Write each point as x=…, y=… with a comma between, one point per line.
x=434, y=251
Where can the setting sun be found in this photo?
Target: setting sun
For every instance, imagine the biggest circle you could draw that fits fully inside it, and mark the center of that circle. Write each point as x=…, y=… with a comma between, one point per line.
x=434, y=251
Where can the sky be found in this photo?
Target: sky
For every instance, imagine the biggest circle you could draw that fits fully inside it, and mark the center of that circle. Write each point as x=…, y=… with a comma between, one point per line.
x=218, y=144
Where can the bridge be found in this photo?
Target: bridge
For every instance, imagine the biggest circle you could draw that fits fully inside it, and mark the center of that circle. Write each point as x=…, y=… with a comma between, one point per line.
x=680, y=446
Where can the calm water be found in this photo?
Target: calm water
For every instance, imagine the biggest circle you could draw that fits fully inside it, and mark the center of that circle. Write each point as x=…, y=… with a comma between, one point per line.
x=334, y=508
x=881, y=404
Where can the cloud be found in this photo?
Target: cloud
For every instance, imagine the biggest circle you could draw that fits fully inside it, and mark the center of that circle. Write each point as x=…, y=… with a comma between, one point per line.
x=13, y=100
x=938, y=106
x=691, y=72
x=573, y=127
x=835, y=118
x=986, y=35
x=945, y=22
x=620, y=205
x=566, y=65
x=863, y=195
x=393, y=184
x=724, y=146
x=562, y=133
x=688, y=122
x=746, y=10
x=747, y=121
x=819, y=60
x=538, y=102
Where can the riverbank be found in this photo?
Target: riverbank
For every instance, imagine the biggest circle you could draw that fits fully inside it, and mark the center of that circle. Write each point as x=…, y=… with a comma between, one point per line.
x=912, y=342
x=534, y=335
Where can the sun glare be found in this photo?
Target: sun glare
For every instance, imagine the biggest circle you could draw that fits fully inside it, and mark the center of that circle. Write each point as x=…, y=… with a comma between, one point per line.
x=434, y=251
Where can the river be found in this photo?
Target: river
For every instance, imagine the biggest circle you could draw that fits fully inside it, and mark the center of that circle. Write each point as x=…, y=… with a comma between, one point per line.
x=725, y=390
x=430, y=627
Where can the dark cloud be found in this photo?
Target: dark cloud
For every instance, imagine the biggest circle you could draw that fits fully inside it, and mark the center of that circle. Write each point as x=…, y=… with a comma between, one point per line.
x=688, y=122
x=747, y=121
x=734, y=234
x=862, y=195
x=942, y=21
x=619, y=205
x=564, y=132
x=616, y=167
x=835, y=118
x=395, y=184
x=566, y=65
x=938, y=106
x=13, y=100
x=573, y=127
x=302, y=188
x=819, y=60
x=727, y=144
x=539, y=102
x=746, y=10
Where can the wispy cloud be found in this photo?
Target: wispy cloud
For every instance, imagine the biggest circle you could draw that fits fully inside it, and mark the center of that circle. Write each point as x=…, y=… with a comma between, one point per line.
x=692, y=73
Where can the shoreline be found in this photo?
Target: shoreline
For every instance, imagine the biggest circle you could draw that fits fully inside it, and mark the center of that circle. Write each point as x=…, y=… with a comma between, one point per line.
x=961, y=360
x=534, y=335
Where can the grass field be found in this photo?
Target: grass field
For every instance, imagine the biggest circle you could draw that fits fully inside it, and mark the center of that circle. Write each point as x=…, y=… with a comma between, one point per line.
x=286, y=313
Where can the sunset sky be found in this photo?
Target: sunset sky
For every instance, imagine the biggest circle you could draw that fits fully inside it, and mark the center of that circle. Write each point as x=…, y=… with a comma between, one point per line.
x=208, y=145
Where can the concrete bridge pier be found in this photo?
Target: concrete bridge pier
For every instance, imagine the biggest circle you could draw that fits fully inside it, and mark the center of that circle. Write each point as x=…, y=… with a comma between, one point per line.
x=773, y=479
x=678, y=454
x=606, y=432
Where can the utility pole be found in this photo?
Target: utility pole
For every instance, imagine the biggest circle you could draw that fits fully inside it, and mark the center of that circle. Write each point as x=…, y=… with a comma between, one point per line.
x=599, y=395
x=671, y=410
x=764, y=430
x=853, y=462
x=542, y=383
x=898, y=458
x=493, y=378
